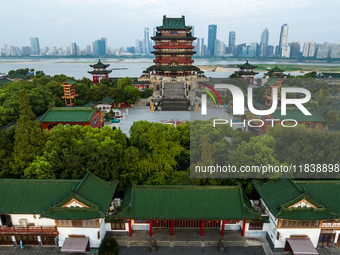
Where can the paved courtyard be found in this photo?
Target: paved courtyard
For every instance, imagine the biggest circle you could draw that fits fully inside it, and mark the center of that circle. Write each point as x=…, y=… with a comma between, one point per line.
x=144, y=113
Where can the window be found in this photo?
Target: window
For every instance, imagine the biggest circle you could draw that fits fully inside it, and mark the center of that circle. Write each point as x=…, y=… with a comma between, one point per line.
x=77, y=223
x=255, y=226
x=117, y=226
x=299, y=224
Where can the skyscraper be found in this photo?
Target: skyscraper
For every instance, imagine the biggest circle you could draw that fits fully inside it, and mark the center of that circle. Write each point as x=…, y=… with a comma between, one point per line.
x=211, y=39
x=264, y=42
x=294, y=49
x=283, y=39
x=105, y=41
x=219, y=48
x=232, y=38
x=6, y=50
x=200, y=46
x=146, y=42
x=35, y=48
x=73, y=49
x=305, y=50
x=312, y=49
x=99, y=48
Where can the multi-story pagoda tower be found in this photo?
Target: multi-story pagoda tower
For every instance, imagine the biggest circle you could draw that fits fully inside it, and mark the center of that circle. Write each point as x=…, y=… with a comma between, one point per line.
x=69, y=92
x=246, y=71
x=173, y=52
x=99, y=72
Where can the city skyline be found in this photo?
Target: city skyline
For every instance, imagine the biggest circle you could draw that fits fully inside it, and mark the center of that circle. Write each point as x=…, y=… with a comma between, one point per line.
x=127, y=19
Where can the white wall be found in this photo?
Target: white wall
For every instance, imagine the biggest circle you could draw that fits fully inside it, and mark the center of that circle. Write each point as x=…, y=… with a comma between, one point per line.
x=91, y=233
x=108, y=228
x=30, y=219
x=312, y=233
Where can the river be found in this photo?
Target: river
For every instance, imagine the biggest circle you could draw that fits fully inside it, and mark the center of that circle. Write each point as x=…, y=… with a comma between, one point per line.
x=79, y=67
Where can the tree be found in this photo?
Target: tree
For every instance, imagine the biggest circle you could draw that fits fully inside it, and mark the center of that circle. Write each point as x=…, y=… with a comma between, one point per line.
x=123, y=82
x=321, y=98
x=6, y=157
x=28, y=138
x=147, y=93
x=131, y=94
x=331, y=117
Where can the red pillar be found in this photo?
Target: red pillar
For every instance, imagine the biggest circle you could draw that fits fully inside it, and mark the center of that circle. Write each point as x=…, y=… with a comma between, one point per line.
x=202, y=227
x=172, y=228
x=222, y=232
x=244, y=228
x=150, y=221
x=130, y=232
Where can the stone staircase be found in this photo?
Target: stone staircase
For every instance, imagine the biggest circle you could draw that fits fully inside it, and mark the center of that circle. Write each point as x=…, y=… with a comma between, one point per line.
x=174, y=97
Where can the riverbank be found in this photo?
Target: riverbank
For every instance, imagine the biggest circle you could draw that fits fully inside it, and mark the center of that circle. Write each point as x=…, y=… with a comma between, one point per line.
x=291, y=68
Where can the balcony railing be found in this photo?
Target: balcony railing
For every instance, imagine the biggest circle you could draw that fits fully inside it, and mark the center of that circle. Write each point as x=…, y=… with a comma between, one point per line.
x=165, y=46
x=28, y=230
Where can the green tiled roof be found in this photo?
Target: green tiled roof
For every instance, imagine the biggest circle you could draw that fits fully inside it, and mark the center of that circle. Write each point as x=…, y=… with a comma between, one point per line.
x=106, y=100
x=246, y=66
x=186, y=202
x=72, y=82
x=173, y=23
x=73, y=213
x=323, y=192
x=17, y=75
x=279, y=195
x=271, y=81
x=100, y=65
x=172, y=68
x=159, y=36
x=295, y=114
x=95, y=193
x=46, y=197
x=69, y=114
x=100, y=72
x=247, y=73
x=329, y=75
x=29, y=196
x=3, y=82
x=259, y=106
x=276, y=69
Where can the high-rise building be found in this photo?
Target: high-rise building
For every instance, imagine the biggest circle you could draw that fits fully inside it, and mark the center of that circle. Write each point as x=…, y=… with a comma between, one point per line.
x=305, y=50
x=35, y=48
x=283, y=38
x=270, y=50
x=200, y=47
x=26, y=50
x=232, y=38
x=285, y=53
x=294, y=49
x=323, y=50
x=312, y=50
x=219, y=48
x=73, y=49
x=239, y=48
x=88, y=50
x=252, y=49
x=264, y=42
x=105, y=41
x=146, y=42
x=99, y=48
x=6, y=50
x=138, y=49
x=212, y=30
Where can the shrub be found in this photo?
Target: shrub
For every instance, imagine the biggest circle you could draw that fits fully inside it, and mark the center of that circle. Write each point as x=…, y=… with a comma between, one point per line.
x=109, y=246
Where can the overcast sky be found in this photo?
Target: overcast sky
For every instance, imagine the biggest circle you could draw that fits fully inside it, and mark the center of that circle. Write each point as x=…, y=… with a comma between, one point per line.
x=62, y=22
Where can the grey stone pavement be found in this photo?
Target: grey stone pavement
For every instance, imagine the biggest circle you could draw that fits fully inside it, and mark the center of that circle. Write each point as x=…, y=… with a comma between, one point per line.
x=144, y=113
